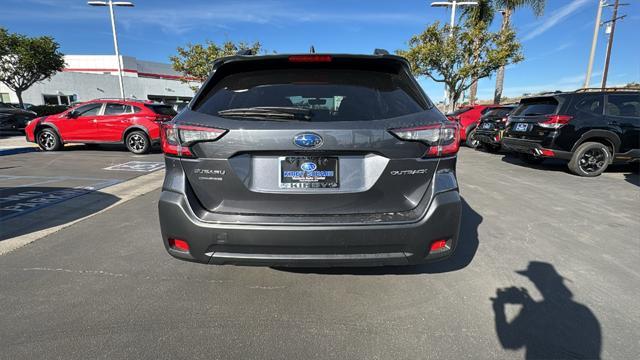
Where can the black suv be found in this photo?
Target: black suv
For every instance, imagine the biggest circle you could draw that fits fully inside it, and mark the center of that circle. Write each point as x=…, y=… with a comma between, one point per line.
x=310, y=160
x=490, y=130
x=590, y=128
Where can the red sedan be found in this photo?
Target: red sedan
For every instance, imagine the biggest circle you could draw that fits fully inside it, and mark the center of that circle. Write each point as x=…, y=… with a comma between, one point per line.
x=134, y=123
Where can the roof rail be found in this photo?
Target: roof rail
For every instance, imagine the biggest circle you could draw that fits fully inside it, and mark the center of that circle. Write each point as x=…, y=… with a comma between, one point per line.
x=610, y=89
x=245, y=52
x=121, y=99
x=380, y=52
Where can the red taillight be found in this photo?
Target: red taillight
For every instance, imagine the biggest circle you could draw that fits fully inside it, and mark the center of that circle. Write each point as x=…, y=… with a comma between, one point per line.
x=176, y=139
x=442, y=139
x=555, y=121
x=437, y=245
x=309, y=58
x=180, y=245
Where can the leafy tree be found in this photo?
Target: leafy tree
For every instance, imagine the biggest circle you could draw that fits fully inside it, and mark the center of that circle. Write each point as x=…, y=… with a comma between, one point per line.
x=25, y=61
x=480, y=15
x=456, y=56
x=195, y=61
x=507, y=7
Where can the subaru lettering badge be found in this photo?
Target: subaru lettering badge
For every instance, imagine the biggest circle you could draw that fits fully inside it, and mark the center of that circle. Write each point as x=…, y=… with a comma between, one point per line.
x=308, y=166
x=307, y=140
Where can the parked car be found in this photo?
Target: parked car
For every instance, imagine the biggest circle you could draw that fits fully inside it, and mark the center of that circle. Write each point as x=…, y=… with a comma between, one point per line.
x=12, y=118
x=468, y=117
x=132, y=122
x=25, y=106
x=310, y=160
x=490, y=129
x=589, y=128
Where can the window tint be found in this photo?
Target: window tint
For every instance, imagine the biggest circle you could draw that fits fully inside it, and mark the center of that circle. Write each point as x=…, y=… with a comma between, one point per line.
x=623, y=105
x=330, y=94
x=591, y=104
x=535, y=107
x=88, y=110
x=135, y=109
x=162, y=109
x=500, y=112
x=116, y=109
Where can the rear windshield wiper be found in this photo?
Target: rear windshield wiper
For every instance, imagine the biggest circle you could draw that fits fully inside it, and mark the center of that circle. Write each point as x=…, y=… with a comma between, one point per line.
x=269, y=113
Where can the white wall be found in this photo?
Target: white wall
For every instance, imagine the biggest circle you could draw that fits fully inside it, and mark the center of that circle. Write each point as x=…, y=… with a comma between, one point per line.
x=91, y=86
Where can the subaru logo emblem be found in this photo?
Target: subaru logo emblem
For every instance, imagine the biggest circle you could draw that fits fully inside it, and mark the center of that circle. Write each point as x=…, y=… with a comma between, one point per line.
x=307, y=140
x=308, y=166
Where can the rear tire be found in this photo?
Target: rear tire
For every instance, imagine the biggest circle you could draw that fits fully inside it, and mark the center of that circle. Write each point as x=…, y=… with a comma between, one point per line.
x=590, y=159
x=137, y=142
x=471, y=139
x=531, y=160
x=48, y=140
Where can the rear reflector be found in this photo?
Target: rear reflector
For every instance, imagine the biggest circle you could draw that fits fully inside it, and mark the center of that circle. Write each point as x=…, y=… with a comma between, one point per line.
x=547, y=152
x=437, y=245
x=179, y=245
x=309, y=58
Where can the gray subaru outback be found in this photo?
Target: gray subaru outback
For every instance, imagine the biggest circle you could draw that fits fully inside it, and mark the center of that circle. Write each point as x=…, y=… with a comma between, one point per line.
x=310, y=160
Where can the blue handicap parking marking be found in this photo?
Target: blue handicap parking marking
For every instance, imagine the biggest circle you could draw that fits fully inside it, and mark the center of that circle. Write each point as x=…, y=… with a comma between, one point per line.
x=142, y=166
x=17, y=203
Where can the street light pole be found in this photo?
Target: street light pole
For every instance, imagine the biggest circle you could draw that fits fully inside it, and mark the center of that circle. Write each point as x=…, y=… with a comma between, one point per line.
x=594, y=43
x=111, y=4
x=453, y=4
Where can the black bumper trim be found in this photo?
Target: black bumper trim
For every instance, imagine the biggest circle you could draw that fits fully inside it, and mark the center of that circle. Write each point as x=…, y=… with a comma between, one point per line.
x=311, y=245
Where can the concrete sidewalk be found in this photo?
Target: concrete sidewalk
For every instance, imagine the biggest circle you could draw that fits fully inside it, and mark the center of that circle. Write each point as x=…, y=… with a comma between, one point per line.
x=15, y=143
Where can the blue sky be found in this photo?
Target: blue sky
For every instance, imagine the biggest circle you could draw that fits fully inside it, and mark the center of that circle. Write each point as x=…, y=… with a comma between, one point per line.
x=556, y=45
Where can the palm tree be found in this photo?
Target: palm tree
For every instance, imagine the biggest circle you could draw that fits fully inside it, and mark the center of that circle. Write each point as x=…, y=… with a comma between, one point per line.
x=479, y=15
x=507, y=7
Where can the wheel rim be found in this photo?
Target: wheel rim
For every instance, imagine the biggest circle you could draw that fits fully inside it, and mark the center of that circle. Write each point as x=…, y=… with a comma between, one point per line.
x=47, y=140
x=137, y=142
x=474, y=142
x=593, y=160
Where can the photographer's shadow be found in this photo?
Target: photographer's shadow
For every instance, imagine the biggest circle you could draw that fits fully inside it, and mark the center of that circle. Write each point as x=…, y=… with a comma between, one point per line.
x=555, y=328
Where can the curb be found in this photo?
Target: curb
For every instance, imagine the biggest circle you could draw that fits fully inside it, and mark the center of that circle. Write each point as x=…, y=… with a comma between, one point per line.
x=125, y=191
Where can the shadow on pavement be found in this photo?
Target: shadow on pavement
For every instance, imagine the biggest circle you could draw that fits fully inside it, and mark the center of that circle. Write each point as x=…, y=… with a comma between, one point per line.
x=561, y=165
x=24, y=210
x=555, y=328
x=106, y=147
x=466, y=250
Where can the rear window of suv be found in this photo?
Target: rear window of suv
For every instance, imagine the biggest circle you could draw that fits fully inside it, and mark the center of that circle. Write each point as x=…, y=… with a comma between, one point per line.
x=325, y=94
x=535, y=107
x=163, y=109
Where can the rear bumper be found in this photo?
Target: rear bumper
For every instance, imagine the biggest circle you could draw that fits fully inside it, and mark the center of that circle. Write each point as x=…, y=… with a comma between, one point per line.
x=311, y=245
x=492, y=137
x=533, y=148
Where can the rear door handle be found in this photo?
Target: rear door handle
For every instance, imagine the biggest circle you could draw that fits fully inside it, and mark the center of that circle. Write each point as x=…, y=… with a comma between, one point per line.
x=613, y=123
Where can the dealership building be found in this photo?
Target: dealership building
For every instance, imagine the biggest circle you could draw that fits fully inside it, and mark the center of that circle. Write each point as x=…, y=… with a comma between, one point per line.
x=87, y=77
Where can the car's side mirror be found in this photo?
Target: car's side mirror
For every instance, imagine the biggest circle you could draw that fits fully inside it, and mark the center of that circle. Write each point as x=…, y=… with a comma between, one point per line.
x=72, y=114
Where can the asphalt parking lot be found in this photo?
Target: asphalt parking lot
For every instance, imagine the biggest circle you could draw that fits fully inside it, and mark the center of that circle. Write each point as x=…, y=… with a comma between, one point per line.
x=31, y=181
x=105, y=288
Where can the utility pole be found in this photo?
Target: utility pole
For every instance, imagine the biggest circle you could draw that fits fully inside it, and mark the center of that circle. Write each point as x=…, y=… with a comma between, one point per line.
x=594, y=43
x=613, y=20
